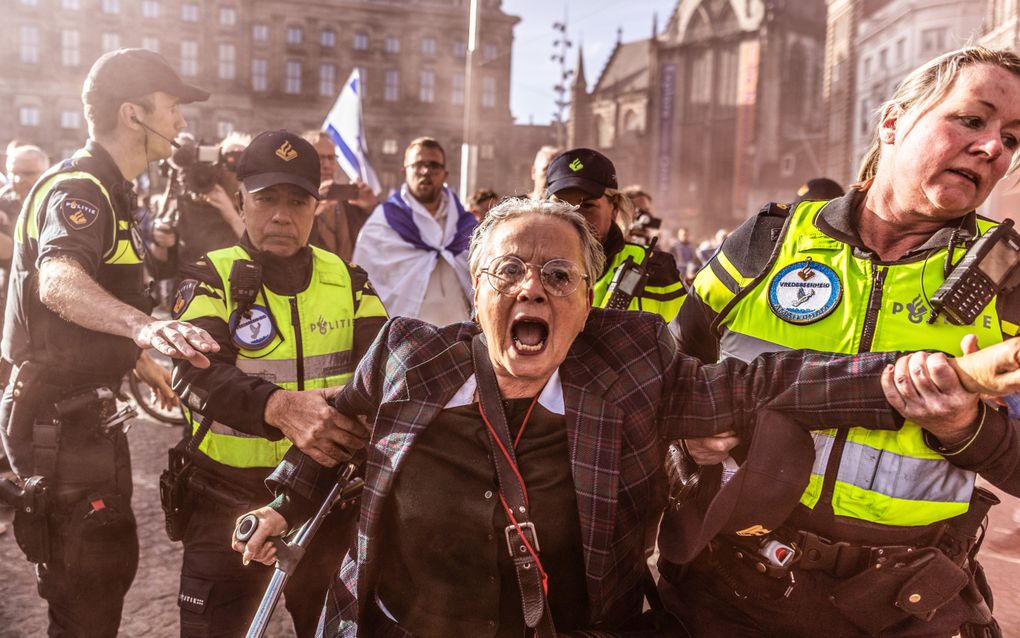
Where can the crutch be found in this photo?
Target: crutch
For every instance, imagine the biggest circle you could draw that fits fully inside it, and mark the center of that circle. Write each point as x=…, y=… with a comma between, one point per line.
x=288, y=555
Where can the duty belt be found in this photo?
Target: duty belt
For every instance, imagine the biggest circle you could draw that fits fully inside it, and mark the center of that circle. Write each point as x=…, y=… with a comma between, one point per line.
x=808, y=551
x=839, y=558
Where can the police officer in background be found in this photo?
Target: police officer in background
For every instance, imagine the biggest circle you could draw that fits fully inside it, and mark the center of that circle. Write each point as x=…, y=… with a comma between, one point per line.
x=292, y=321
x=587, y=179
x=76, y=319
x=881, y=538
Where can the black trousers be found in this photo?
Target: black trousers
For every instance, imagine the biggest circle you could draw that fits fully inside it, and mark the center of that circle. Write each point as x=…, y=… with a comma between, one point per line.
x=90, y=528
x=219, y=595
x=93, y=537
x=703, y=598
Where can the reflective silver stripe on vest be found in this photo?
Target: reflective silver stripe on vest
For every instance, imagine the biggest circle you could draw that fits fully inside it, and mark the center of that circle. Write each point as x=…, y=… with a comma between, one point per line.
x=280, y=371
x=894, y=475
x=219, y=428
x=745, y=347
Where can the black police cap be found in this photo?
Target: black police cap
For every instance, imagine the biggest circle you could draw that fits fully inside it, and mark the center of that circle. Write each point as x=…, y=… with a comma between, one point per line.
x=582, y=168
x=819, y=188
x=125, y=74
x=279, y=157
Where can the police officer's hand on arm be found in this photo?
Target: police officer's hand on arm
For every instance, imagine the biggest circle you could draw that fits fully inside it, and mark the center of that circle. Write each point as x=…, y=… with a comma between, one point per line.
x=258, y=547
x=314, y=426
x=67, y=289
x=712, y=450
x=941, y=394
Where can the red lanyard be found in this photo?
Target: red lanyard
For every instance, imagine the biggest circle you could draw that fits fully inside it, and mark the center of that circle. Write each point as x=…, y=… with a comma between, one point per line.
x=520, y=479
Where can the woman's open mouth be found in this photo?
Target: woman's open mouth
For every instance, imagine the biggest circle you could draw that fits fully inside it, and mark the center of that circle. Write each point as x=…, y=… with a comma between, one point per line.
x=529, y=335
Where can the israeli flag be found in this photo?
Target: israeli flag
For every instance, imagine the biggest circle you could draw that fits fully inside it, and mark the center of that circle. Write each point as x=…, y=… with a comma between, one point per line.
x=344, y=125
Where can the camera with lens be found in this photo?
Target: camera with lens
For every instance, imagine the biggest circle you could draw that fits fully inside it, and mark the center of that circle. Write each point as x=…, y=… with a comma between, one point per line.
x=641, y=229
x=197, y=168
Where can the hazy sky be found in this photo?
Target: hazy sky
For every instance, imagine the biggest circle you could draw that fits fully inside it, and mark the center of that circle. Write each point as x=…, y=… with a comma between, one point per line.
x=591, y=23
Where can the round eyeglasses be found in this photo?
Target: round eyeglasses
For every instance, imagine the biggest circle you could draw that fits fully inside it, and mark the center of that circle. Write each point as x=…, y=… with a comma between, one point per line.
x=559, y=277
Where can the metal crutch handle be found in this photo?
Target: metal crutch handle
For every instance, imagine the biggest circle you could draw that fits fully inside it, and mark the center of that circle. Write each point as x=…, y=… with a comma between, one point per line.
x=288, y=555
x=246, y=528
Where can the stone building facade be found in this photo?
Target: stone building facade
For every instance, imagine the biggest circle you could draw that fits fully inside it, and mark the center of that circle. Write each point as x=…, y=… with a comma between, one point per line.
x=275, y=64
x=719, y=112
x=1002, y=31
x=894, y=40
x=838, y=88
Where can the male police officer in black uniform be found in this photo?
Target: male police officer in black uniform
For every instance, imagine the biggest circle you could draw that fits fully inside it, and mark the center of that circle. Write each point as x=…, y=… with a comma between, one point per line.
x=76, y=319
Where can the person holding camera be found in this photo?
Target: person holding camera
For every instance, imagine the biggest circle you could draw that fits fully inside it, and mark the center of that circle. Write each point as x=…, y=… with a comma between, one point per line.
x=76, y=321
x=197, y=213
x=635, y=277
x=343, y=208
x=292, y=322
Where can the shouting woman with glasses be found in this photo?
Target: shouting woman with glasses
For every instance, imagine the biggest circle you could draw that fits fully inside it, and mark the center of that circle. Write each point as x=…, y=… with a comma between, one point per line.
x=514, y=467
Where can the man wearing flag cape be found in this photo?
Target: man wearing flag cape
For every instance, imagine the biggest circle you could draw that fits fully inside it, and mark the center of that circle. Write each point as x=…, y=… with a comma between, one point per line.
x=414, y=246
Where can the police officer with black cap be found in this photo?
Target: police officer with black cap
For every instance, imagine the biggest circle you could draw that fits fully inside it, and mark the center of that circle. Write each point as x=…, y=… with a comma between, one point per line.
x=76, y=320
x=292, y=322
x=636, y=277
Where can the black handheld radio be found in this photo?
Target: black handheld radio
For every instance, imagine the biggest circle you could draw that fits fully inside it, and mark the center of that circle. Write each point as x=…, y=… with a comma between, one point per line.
x=629, y=280
x=245, y=283
x=980, y=275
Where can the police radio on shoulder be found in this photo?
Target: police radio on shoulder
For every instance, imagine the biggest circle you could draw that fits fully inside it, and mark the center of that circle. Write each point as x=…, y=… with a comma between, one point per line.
x=629, y=280
x=982, y=273
x=245, y=281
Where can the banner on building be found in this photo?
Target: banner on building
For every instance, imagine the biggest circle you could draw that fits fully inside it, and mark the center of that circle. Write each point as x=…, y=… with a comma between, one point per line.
x=667, y=96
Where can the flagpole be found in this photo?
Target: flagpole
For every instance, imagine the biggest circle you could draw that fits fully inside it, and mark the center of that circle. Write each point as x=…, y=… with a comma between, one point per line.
x=468, y=149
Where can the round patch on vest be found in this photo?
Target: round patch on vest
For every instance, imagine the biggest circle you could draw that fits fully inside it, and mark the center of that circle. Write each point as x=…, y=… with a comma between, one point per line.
x=805, y=292
x=254, y=330
x=78, y=213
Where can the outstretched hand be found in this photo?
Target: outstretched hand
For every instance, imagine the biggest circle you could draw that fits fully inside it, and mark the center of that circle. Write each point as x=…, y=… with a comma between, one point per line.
x=994, y=371
x=177, y=339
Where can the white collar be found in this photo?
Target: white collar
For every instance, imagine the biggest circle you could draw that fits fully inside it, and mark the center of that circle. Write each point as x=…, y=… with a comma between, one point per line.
x=551, y=398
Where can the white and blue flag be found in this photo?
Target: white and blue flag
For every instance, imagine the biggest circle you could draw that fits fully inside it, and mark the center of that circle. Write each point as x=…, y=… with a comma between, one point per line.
x=345, y=127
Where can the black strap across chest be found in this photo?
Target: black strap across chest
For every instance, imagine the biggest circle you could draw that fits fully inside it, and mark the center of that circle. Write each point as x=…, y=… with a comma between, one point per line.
x=522, y=540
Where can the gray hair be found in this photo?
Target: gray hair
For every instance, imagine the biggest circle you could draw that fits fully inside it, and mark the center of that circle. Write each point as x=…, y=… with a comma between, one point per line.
x=928, y=84
x=515, y=207
x=27, y=150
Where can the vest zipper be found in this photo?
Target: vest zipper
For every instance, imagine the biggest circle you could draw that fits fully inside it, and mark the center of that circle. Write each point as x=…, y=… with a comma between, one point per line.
x=299, y=358
x=867, y=338
x=874, y=306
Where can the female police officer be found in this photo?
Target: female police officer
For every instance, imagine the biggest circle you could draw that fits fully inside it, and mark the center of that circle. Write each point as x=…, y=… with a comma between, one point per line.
x=857, y=274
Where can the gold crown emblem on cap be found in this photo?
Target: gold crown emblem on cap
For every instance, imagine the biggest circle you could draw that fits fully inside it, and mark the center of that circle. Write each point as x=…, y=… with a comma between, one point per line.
x=286, y=152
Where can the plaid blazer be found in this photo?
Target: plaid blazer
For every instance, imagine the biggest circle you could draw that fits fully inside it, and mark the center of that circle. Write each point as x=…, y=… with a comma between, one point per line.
x=627, y=391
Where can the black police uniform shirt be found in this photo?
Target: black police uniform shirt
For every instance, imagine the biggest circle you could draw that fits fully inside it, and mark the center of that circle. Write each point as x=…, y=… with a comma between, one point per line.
x=76, y=221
